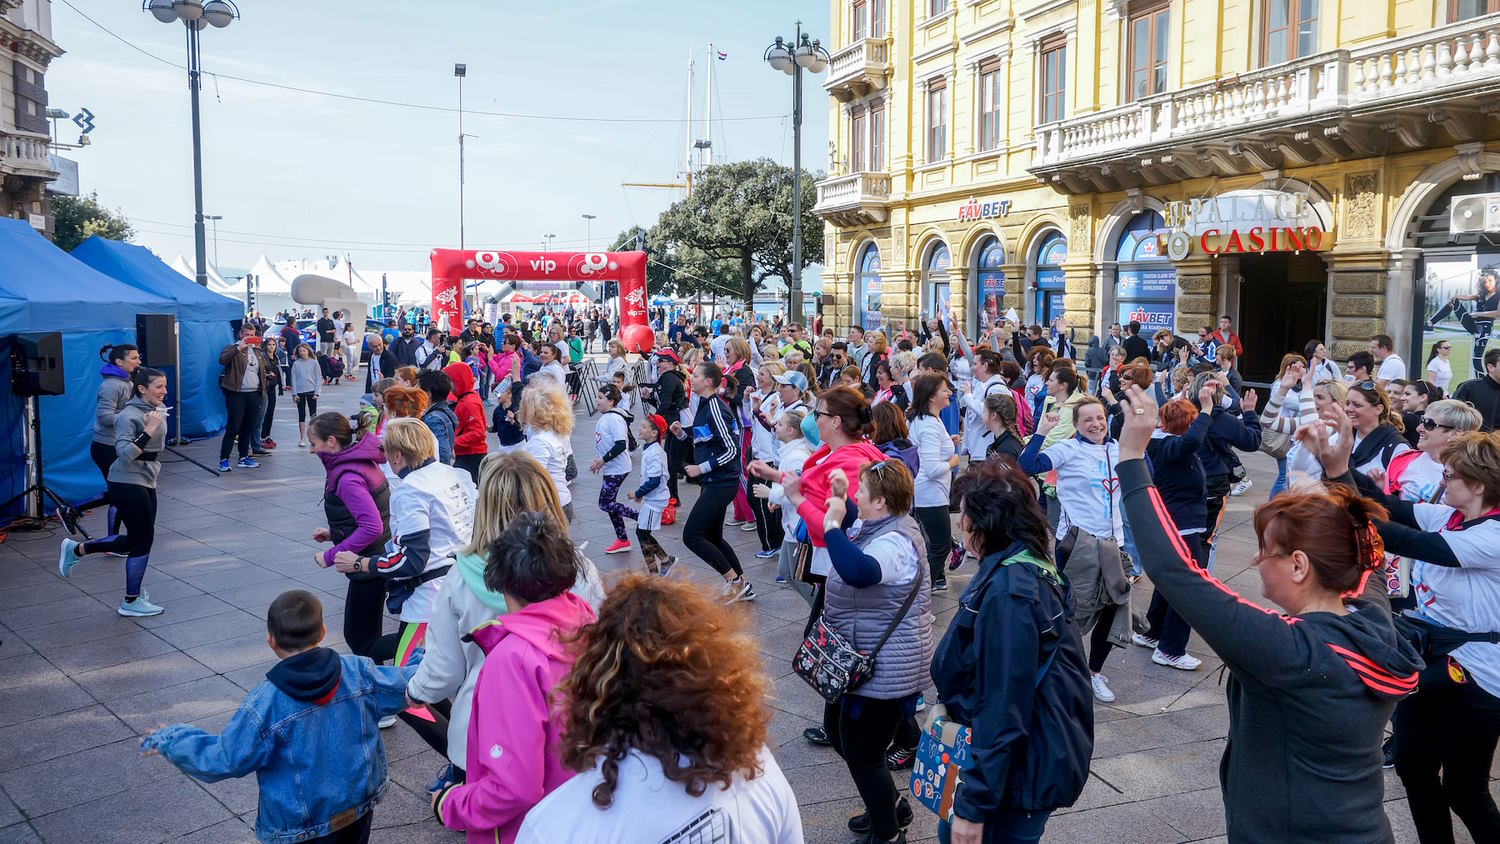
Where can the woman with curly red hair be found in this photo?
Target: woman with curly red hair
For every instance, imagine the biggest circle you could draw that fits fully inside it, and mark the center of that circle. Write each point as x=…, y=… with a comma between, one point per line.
x=666, y=726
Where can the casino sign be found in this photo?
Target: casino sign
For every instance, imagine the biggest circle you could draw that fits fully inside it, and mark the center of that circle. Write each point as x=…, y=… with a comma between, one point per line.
x=1244, y=222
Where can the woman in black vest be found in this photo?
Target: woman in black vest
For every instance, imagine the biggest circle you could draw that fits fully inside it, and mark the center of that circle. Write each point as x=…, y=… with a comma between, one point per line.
x=356, y=499
x=1379, y=432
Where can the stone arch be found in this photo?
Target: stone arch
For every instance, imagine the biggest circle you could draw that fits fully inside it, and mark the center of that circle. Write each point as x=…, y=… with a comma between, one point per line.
x=1427, y=186
x=1115, y=221
x=1034, y=232
x=975, y=235
x=862, y=236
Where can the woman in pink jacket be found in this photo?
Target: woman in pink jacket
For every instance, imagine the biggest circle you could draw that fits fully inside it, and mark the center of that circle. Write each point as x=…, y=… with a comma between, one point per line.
x=514, y=757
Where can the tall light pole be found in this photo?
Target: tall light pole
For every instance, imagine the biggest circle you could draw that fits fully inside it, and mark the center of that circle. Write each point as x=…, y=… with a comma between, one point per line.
x=195, y=15
x=547, y=242
x=588, y=232
x=215, y=218
x=792, y=59
x=460, y=71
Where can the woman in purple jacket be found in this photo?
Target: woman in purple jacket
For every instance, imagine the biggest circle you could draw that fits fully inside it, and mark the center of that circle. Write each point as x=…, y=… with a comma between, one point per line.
x=356, y=499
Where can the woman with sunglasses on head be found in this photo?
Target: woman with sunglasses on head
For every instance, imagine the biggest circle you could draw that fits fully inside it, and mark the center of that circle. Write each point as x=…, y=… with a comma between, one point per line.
x=1309, y=691
x=1439, y=370
x=1088, y=500
x=1378, y=431
x=1011, y=667
x=1446, y=732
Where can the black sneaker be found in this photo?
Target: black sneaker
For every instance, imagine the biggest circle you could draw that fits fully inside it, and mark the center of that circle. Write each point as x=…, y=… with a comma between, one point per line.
x=1388, y=753
x=897, y=758
x=817, y=737
x=940, y=585
x=69, y=518
x=861, y=822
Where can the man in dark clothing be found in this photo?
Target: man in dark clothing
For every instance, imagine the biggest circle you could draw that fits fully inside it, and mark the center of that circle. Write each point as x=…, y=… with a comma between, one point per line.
x=382, y=363
x=1484, y=393
x=1135, y=347
x=291, y=338
x=470, y=333
x=405, y=348
x=327, y=334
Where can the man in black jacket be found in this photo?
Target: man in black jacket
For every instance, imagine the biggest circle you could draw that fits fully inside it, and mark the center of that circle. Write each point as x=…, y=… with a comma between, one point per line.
x=405, y=347
x=382, y=362
x=1135, y=347
x=671, y=400
x=1484, y=393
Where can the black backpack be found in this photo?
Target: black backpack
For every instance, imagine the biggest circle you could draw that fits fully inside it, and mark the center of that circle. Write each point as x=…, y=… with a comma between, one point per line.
x=629, y=434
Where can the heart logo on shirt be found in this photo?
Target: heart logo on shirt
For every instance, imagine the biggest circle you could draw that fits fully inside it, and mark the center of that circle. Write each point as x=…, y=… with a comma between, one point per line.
x=1110, y=484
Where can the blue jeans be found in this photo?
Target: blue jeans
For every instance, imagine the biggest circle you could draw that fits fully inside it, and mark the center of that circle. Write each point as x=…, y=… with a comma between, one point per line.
x=1281, y=482
x=1005, y=826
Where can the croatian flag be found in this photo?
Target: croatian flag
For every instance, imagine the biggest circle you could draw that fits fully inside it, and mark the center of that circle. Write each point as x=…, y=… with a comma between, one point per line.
x=722, y=55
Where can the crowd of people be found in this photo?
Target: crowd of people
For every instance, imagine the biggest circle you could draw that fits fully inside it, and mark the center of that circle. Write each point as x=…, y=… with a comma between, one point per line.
x=872, y=467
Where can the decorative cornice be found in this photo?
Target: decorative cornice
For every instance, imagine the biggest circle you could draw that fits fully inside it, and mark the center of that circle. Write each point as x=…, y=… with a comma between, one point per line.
x=1043, y=7
x=1068, y=29
x=1002, y=53
x=1005, y=24
x=935, y=52
x=940, y=17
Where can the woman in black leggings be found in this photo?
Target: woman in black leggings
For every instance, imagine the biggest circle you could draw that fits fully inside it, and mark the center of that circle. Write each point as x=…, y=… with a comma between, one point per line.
x=716, y=465
x=357, y=502
x=115, y=391
x=140, y=435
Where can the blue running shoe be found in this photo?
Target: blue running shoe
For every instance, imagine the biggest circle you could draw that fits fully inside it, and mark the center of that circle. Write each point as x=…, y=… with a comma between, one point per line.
x=767, y=554
x=68, y=558
x=444, y=779
x=223, y=465
x=139, y=608
x=248, y=463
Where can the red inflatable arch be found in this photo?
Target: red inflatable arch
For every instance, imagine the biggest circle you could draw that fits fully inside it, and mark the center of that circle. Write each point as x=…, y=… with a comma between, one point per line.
x=451, y=267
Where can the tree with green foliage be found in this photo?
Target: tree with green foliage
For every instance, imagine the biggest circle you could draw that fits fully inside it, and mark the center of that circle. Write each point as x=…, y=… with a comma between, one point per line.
x=740, y=214
x=76, y=218
x=679, y=270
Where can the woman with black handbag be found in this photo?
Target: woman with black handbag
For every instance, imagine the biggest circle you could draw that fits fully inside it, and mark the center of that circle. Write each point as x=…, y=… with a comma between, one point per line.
x=1011, y=667
x=876, y=603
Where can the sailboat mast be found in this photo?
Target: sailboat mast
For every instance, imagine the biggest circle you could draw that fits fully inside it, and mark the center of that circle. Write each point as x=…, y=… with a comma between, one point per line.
x=708, y=109
x=687, y=168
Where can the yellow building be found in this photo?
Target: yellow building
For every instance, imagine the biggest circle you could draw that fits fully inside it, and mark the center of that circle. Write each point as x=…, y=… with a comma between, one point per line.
x=1289, y=163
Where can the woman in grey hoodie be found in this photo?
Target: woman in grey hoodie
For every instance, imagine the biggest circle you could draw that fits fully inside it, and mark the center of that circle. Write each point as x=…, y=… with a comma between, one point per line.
x=140, y=436
x=115, y=391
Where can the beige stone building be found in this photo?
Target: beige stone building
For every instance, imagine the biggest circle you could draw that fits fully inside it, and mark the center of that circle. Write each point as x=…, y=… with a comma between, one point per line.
x=1289, y=163
x=26, y=48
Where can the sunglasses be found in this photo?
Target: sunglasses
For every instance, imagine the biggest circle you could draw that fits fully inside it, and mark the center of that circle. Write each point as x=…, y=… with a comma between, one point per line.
x=1429, y=423
x=825, y=413
x=1367, y=386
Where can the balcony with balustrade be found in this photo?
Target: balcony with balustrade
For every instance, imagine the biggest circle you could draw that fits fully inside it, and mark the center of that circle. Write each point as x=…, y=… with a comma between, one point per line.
x=25, y=156
x=1439, y=87
x=858, y=69
x=857, y=199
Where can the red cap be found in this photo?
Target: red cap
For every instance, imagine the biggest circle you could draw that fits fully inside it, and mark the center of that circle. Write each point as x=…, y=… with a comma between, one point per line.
x=660, y=423
x=669, y=355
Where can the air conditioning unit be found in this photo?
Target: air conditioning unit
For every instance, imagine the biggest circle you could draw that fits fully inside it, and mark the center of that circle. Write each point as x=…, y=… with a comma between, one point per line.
x=1473, y=214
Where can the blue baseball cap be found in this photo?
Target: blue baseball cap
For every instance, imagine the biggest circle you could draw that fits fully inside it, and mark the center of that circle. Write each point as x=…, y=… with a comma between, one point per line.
x=793, y=378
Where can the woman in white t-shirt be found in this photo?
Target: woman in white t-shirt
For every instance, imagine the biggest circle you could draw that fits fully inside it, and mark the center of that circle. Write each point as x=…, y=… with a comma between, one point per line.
x=675, y=695
x=547, y=419
x=1446, y=732
x=937, y=458
x=1439, y=370
x=352, y=341
x=612, y=463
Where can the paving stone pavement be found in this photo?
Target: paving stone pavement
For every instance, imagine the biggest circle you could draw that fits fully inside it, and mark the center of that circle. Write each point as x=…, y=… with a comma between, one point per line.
x=81, y=684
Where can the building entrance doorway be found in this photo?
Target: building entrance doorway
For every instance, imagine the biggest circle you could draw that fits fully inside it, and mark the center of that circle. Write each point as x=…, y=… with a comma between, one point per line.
x=1283, y=304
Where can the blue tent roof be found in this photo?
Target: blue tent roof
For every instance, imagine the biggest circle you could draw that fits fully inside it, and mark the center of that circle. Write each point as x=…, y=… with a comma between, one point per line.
x=137, y=267
x=61, y=294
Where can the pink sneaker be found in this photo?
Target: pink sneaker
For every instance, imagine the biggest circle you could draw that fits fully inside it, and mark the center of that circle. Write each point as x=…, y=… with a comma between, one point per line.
x=620, y=547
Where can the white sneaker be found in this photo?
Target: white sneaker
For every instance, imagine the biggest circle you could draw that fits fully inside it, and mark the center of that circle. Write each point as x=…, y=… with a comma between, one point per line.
x=302, y=443
x=748, y=527
x=1186, y=662
x=1239, y=488
x=1143, y=640
x=1101, y=689
x=732, y=522
x=387, y=722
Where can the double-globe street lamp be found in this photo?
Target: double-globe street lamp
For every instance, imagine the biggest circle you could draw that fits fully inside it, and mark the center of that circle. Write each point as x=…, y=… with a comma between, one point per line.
x=802, y=53
x=194, y=16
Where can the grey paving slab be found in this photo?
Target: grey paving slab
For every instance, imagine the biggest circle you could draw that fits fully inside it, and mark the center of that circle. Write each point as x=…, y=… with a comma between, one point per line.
x=41, y=739
x=148, y=812
x=21, y=833
x=54, y=785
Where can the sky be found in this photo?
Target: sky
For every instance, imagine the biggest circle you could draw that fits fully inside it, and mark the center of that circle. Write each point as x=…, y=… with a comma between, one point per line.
x=297, y=174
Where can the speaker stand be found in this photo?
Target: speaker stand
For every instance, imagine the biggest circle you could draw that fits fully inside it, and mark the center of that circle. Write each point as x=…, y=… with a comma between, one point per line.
x=37, y=492
x=209, y=469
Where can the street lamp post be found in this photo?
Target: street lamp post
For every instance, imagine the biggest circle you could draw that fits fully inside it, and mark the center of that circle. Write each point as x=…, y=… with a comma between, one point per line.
x=547, y=242
x=195, y=15
x=215, y=218
x=803, y=53
x=588, y=232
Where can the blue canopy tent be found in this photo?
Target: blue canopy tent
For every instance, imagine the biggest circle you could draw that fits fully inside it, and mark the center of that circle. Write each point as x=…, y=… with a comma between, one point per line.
x=42, y=290
x=203, y=328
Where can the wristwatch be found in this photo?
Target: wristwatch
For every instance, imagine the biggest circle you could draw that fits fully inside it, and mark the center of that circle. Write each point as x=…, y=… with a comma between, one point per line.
x=361, y=564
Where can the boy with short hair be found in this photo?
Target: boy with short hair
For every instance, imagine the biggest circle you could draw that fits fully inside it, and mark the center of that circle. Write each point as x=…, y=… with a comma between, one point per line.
x=309, y=733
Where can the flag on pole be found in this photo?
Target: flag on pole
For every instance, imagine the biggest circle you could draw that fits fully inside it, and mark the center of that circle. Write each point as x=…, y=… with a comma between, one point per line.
x=722, y=55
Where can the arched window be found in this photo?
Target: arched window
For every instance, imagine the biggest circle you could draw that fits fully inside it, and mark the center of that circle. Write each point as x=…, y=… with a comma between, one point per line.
x=935, y=279
x=1048, y=276
x=1145, y=281
x=988, y=288
x=867, y=287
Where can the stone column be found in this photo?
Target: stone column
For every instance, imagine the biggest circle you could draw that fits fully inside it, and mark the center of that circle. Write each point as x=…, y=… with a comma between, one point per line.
x=1197, y=294
x=1015, y=290
x=1078, y=298
x=1357, y=304
x=899, y=299
x=958, y=296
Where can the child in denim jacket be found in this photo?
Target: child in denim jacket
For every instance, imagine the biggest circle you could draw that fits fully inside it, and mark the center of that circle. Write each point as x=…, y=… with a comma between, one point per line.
x=309, y=733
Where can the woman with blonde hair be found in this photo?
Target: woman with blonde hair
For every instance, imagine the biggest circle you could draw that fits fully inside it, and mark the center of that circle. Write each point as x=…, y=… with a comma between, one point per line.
x=509, y=485
x=547, y=419
x=666, y=726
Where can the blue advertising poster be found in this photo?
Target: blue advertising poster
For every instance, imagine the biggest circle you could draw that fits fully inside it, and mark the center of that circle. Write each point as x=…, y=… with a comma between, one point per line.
x=1153, y=284
x=1151, y=315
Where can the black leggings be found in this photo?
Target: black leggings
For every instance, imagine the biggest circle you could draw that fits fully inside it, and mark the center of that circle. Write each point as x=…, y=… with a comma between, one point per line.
x=469, y=463
x=675, y=451
x=435, y=733
x=364, y=612
x=240, y=429
x=1170, y=629
x=1451, y=728
x=1099, y=643
x=862, y=741
x=267, y=416
x=307, y=406
x=703, y=533
x=767, y=524
x=136, y=505
x=938, y=527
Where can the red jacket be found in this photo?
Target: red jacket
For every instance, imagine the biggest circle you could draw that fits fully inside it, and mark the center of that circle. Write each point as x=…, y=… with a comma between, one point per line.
x=469, y=438
x=814, y=480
